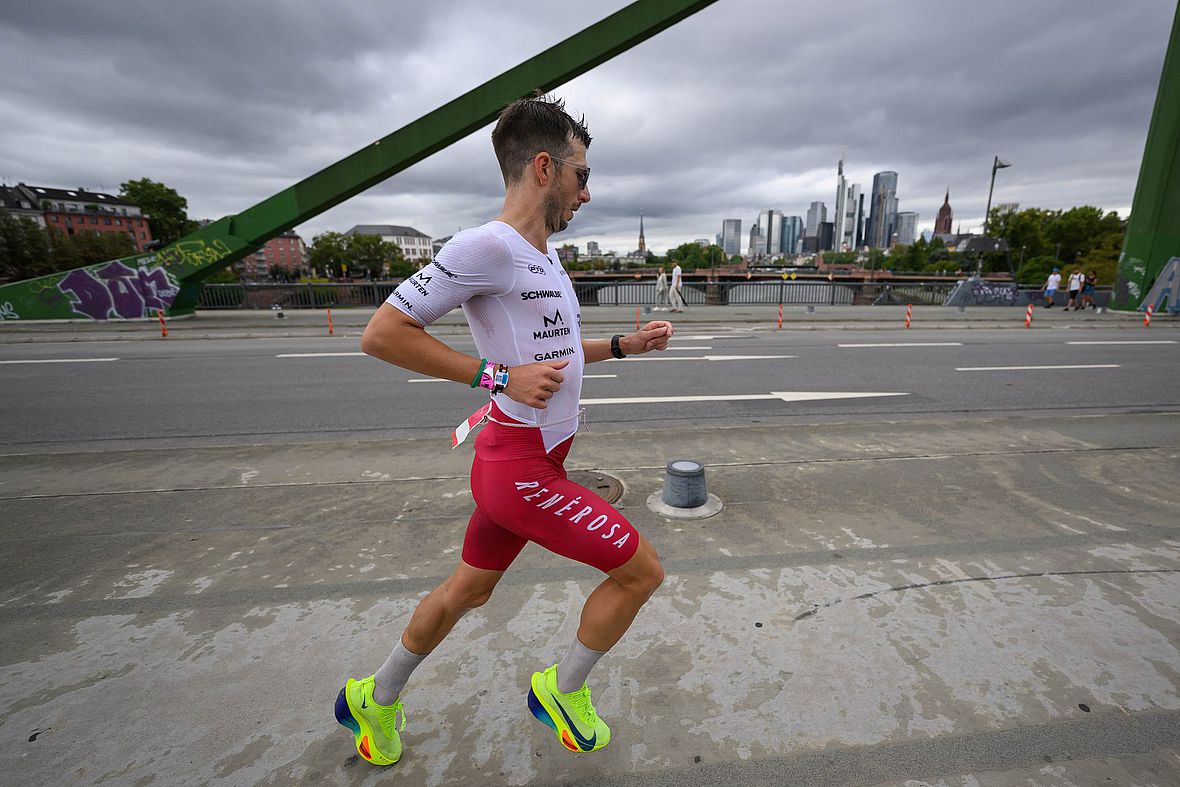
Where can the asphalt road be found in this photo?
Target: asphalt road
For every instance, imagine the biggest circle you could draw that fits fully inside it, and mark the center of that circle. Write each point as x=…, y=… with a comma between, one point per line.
x=124, y=393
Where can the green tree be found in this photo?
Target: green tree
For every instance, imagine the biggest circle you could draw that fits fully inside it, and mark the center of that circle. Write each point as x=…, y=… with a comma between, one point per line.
x=328, y=253
x=165, y=208
x=357, y=255
x=24, y=249
x=1079, y=237
x=373, y=255
x=1023, y=229
x=693, y=256
x=876, y=260
x=1036, y=270
x=912, y=257
x=92, y=247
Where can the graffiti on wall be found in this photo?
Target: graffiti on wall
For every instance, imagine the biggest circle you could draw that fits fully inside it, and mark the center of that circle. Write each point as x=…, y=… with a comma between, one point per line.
x=193, y=254
x=7, y=312
x=986, y=294
x=116, y=290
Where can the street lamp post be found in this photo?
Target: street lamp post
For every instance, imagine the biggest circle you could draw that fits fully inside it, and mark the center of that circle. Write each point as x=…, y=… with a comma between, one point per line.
x=996, y=164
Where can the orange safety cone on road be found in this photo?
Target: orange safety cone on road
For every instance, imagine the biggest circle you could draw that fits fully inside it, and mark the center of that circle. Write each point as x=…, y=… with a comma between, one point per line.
x=780, y=317
x=1147, y=317
x=636, y=316
x=909, y=310
x=1028, y=317
x=163, y=325
x=329, y=320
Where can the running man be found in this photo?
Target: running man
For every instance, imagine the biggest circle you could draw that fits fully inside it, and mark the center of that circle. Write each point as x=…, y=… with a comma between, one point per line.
x=525, y=320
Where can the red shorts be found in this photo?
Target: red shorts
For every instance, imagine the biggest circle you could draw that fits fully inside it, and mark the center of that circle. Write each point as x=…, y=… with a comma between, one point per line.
x=522, y=494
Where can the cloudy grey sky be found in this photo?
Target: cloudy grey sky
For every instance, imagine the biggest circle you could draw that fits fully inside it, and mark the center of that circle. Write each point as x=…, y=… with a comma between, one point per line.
x=746, y=105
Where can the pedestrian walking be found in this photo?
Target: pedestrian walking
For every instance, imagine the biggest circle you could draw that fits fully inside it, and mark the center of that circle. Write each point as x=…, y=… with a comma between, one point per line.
x=663, y=303
x=676, y=294
x=1051, y=286
x=1076, y=279
x=1088, y=288
x=525, y=320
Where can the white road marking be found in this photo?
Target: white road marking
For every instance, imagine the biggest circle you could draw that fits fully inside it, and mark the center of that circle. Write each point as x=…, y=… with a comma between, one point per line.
x=1025, y=368
x=317, y=355
x=906, y=344
x=65, y=360
x=688, y=347
x=1132, y=341
x=786, y=396
x=702, y=358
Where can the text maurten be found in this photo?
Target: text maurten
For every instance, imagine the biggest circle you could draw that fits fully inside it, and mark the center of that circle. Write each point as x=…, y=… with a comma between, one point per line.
x=559, y=328
x=593, y=525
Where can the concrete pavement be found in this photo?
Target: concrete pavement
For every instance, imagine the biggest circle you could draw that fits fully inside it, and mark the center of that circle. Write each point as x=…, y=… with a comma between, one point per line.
x=939, y=602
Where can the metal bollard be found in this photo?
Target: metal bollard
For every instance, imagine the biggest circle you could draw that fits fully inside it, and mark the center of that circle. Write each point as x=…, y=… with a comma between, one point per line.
x=684, y=484
x=684, y=495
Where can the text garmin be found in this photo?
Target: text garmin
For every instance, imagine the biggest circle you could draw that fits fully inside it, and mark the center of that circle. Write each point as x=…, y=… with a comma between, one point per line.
x=593, y=525
x=558, y=329
x=552, y=356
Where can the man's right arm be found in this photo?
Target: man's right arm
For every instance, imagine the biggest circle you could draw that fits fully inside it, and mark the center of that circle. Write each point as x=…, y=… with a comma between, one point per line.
x=394, y=337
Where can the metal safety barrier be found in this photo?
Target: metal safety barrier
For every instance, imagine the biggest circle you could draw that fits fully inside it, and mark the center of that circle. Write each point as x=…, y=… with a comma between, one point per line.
x=614, y=292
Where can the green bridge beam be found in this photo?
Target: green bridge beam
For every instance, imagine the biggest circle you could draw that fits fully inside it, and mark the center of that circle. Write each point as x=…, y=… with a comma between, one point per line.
x=169, y=279
x=1153, y=231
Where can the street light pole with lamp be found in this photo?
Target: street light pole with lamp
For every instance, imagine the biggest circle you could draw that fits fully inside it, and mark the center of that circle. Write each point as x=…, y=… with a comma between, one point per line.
x=996, y=164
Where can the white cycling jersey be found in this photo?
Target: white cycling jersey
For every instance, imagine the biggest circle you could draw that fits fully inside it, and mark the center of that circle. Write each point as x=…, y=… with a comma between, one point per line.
x=521, y=308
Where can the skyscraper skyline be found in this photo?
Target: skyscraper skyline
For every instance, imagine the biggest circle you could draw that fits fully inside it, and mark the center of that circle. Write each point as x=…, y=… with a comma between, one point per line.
x=817, y=214
x=846, y=231
x=882, y=210
x=731, y=236
x=792, y=234
x=906, y=228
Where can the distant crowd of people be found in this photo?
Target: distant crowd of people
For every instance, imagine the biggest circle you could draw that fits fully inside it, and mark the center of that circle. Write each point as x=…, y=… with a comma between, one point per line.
x=1081, y=289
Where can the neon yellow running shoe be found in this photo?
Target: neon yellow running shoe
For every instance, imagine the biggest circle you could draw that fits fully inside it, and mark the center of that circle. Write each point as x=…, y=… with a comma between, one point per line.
x=571, y=716
x=374, y=726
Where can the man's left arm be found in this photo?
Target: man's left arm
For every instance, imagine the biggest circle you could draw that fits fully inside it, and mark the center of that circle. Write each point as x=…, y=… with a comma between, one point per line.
x=653, y=336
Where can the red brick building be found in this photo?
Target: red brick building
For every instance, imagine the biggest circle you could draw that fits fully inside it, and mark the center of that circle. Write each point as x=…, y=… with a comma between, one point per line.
x=79, y=211
x=287, y=251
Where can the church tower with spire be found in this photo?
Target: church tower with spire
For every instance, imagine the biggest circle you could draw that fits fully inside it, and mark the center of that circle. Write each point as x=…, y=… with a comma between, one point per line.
x=942, y=224
x=642, y=242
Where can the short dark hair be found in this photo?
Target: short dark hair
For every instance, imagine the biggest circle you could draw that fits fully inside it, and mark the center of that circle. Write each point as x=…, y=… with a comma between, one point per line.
x=531, y=125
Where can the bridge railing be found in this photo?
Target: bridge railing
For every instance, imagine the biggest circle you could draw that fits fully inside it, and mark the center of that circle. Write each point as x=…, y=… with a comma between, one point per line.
x=610, y=293
x=590, y=293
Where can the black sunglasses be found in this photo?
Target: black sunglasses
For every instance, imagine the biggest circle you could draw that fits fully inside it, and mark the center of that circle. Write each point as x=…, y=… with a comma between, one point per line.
x=583, y=172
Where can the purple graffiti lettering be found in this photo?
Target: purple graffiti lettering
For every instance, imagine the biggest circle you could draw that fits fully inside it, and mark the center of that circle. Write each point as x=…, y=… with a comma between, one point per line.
x=93, y=300
x=157, y=291
x=121, y=282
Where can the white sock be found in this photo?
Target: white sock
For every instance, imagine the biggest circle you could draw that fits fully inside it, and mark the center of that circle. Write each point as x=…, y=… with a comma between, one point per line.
x=575, y=667
x=394, y=673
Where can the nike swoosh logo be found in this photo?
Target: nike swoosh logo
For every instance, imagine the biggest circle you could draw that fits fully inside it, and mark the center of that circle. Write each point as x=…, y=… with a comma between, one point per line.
x=586, y=744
